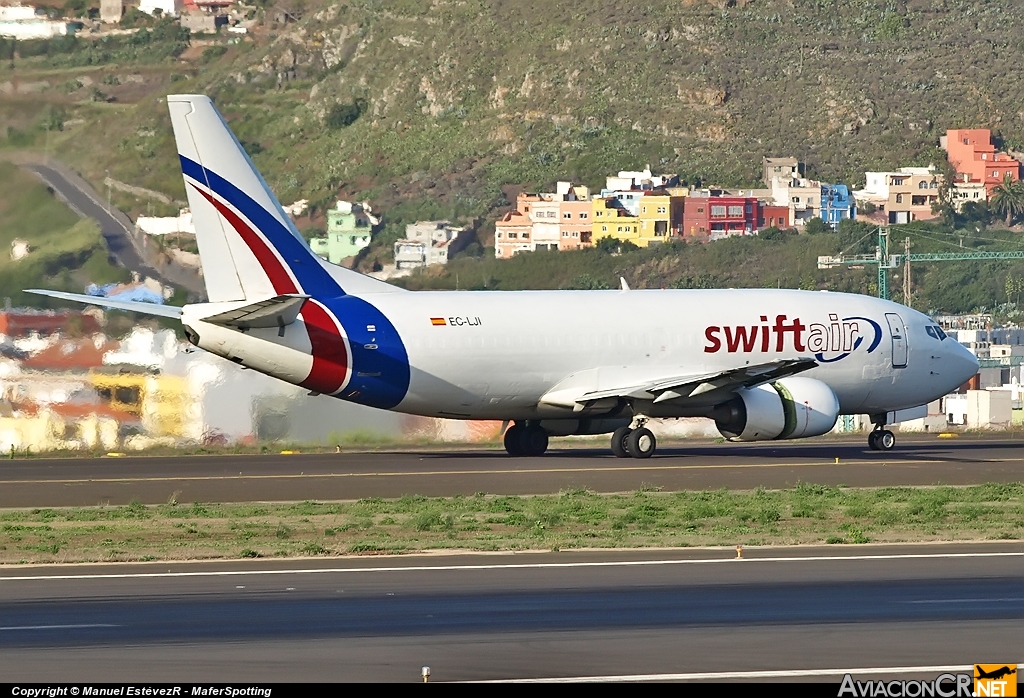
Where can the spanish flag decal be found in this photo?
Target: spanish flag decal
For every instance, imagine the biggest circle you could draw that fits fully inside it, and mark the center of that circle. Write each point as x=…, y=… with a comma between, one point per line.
x=437, y=321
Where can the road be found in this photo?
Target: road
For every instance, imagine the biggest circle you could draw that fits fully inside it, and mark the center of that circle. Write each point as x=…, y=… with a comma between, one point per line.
x=519, y=616
x=114, y=226
x=88, y=205
x=240, y=478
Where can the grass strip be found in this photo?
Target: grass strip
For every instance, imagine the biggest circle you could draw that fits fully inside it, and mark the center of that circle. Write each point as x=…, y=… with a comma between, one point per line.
x=805, y=514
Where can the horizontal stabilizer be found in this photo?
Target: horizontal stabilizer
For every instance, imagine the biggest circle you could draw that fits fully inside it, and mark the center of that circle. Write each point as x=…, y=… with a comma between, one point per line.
x=273, y=312
x=171, y=311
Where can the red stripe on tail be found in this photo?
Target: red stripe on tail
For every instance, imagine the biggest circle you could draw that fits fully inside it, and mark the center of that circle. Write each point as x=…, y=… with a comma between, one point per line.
x=276, y=271
x=330, y=355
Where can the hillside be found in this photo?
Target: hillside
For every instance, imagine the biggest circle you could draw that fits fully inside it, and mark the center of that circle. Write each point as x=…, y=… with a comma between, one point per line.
x=65, y=252
x=431, y=108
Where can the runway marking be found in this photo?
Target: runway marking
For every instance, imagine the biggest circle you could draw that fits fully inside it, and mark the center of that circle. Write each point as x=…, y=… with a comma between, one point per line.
x=1004, y=600
x=519, y=566
x=720, y=675
x=506, y=471
x=60, y=627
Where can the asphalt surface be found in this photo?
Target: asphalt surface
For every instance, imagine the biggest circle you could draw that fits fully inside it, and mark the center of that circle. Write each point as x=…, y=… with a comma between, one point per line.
x=540, y=615
x=925, y=460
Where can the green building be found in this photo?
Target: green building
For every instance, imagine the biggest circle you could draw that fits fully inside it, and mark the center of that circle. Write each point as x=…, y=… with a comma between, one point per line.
x=348, y=231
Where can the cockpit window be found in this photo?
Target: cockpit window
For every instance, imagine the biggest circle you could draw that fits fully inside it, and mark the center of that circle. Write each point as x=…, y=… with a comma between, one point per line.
x=935, y=331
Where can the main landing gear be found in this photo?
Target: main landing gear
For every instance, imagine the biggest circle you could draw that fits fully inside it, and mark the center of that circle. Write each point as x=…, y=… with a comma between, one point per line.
x=628, y=442
x=881, y=439
x=525, y=439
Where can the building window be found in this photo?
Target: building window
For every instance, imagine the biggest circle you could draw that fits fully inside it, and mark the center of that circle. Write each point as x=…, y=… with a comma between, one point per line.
x=526, y=236
x=899, y=198
x=718, y=211
x=796, y=199
x=933, y=185
x=604, y=228
x=599, y=214
x=661, y=209
x=643, y=210
x=513, y=236
x=583, y=216
x=565, y=233
x=922, y=185
x=566, y=215
x=499, y=235
x=576, y=234
x=700, y=209
x=735, y=212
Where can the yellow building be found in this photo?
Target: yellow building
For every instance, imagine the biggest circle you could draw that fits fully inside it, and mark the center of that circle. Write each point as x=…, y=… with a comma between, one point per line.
x=611, y=221
x=661, y=217
x=162, y=402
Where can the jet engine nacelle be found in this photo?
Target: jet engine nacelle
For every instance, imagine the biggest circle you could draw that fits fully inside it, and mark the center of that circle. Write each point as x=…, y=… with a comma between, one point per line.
x=790, y=408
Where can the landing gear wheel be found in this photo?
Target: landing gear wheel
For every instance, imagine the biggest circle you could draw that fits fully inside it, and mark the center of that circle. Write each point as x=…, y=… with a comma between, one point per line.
x=641, y=443
x=513, y=440
x=533, y=441
x=619, y=437
x=881, y=440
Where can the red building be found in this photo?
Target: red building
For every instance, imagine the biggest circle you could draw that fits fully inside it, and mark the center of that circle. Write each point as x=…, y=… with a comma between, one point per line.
x=19, y=323
x=716, y=217
x=773, y=217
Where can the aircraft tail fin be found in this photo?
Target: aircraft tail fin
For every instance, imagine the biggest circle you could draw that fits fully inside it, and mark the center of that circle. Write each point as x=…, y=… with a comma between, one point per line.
x=248, y=246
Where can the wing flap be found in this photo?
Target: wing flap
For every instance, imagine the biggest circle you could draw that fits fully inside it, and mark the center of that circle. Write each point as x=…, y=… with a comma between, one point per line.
x=694, y=385
x=278, y=311
x=171, y=311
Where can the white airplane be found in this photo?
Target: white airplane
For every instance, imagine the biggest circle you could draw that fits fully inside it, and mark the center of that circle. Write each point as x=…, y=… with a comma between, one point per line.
x=550, y=363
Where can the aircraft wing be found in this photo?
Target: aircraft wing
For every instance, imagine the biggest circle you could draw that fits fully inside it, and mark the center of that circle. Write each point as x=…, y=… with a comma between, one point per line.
x=171, y=311
x=684, y=386
x=272, y=312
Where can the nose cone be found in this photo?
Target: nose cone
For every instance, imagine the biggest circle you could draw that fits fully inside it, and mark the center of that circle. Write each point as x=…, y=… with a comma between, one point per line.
x=961, y=365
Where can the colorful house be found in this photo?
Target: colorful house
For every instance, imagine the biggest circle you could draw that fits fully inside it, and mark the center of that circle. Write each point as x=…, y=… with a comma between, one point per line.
x=706, y=216
x=971, y=153
x=836, y=204
x=611, y=219
x=349, y=227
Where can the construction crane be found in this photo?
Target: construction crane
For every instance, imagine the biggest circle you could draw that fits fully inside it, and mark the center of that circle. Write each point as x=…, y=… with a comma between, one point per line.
x=886, y=261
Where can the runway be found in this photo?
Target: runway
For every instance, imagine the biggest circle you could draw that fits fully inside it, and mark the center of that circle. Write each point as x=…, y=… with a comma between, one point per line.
x=803, y=611
x=923, y=460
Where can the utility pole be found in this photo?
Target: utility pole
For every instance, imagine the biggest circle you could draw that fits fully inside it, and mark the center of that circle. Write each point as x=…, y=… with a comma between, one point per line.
x=906, y=272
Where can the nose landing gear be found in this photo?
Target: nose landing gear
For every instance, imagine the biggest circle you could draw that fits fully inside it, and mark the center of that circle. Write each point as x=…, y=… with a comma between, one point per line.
x=881, y=438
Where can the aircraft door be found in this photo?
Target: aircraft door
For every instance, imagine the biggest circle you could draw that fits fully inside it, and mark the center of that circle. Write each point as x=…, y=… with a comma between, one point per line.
x=899, y=340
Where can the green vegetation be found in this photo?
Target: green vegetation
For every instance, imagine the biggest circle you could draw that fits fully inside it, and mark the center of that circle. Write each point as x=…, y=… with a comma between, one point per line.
x=574, y=519
x=445, y=110
x=65, y=252
x=774, y=259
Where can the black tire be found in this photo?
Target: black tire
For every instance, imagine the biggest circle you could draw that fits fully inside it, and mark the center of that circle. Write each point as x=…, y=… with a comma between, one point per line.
x=514, y=440
x=641, y=443
x=886, y=440
x=873, y=441
x=619, y=437
x=533, y=441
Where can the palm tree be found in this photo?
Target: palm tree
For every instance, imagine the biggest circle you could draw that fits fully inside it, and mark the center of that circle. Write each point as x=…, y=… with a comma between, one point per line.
x=1008, y=199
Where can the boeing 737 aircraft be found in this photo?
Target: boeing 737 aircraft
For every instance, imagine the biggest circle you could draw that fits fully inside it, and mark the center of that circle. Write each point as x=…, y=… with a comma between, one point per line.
x=764, y=364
